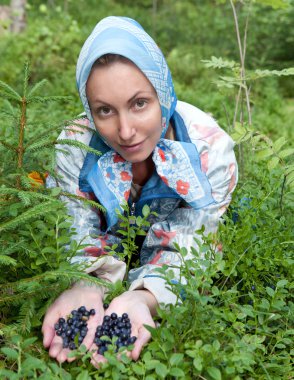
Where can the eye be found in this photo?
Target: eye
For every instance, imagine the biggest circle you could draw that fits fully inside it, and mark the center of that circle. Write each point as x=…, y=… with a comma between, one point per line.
x=104, y=111
x=140, y=103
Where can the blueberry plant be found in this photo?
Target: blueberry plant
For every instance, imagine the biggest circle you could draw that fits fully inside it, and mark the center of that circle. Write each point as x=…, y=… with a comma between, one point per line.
x=234, y=316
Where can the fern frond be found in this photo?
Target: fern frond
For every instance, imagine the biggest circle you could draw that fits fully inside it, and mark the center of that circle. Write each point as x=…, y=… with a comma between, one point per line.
x=33, y=212
x=37, y=87
x=9, y=92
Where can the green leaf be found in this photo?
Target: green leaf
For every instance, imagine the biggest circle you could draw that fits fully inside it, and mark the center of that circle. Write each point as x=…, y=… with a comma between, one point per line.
x=264, y=153
x=28, y=342
x=10, y=353
x=139, y=370
x=270, y=291
x=84, y=375
x=273, y=163
x=281, y=283
x=177, y=372
x=214, y=373
x=176, y=359
x=277, y=145
x=146, y=211
x=197, y=363
x=286, y=152
x=161, y=370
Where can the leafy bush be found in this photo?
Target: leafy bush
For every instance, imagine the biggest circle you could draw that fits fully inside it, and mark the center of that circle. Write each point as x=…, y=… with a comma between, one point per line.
x=234, y=316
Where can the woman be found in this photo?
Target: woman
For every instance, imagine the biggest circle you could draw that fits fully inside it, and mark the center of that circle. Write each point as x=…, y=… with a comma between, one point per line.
x=156, y=151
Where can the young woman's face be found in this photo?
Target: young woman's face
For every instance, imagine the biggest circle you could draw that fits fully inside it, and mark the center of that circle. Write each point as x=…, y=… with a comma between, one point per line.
x=125, y=109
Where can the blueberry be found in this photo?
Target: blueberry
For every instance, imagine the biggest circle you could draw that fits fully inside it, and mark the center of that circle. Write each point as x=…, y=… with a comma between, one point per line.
x=105, y=305
x=61, y=321
x=92, y=312
x=83, y=333
x=125, y=316
x=132, y=339
x=101, y=350
x=56, y=326
x=253, y=287
x=72, y=346
x=106, y=318
x=82, y=309
x=80, y=340
x=58, y=333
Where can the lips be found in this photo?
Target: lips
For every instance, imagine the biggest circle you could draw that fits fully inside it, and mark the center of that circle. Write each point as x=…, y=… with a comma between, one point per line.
x=132, y=148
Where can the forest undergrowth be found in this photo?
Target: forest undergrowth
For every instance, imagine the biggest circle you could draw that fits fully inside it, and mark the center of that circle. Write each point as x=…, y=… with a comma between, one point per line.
x=234, y=317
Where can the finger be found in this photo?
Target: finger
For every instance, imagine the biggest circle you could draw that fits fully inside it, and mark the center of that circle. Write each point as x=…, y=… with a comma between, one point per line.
x=48, y=328
x=48, y=335
x=92, y=326
x=143, y=338
x=55, y=347
x=62, y=356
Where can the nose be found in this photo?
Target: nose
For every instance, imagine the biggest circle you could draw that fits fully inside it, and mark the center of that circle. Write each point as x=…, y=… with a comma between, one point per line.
x=126, y=128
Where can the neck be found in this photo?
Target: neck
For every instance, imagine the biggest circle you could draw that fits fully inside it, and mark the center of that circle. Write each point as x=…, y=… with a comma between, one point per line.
x=142, y=171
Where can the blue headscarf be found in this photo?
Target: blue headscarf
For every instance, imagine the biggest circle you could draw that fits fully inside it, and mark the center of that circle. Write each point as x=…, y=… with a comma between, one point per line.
x=177, y=163
x=126, y=37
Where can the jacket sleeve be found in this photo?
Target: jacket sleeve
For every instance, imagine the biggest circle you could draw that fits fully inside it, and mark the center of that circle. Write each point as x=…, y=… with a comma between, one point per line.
x=218, y=161
x=86, y=220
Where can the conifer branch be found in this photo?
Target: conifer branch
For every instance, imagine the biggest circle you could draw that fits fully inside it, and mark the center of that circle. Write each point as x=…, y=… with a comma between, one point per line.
x=33, y=212
x=9, y=92
x=85, y=200
x=8, y=146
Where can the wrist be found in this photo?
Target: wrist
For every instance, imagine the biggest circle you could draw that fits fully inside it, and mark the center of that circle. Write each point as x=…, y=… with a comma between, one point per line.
x=90, y=287
x=148, y=298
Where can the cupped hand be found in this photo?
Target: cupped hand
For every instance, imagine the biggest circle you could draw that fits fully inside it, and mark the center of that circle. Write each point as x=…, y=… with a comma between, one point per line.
x=140, y=305
x=79, y=295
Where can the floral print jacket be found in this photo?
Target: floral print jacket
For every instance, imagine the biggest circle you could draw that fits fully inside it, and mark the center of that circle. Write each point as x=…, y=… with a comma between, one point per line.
x=176, y=220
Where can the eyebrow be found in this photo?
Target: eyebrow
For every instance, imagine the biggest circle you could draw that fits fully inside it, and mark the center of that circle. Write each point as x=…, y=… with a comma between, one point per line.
x=97, y=100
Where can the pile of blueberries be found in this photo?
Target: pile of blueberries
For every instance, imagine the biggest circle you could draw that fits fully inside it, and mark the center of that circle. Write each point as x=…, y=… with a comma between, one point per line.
x=75, y=326
x=114, y=326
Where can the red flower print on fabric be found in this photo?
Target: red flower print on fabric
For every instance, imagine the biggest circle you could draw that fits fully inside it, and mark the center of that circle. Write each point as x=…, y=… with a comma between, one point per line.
x=127, y=194
x=166, y=236
x=162, y=155
x=118, y=158
x=125, y=176
x=183, y=187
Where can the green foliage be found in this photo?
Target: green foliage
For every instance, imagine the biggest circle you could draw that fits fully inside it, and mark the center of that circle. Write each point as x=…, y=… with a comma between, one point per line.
x=130, y=228
x=232, y=320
